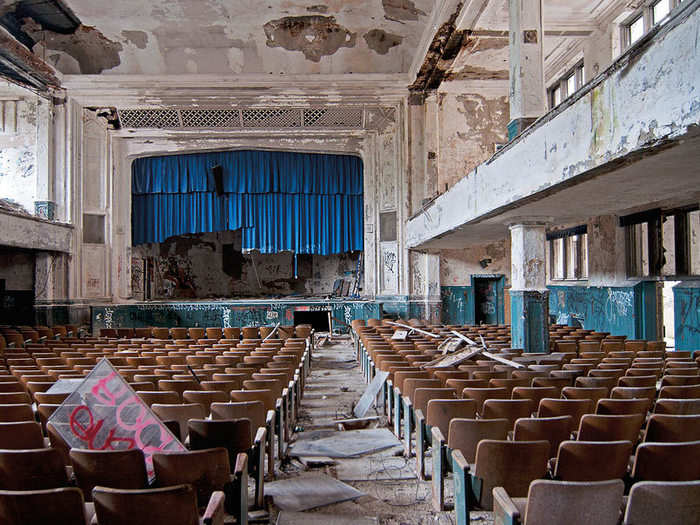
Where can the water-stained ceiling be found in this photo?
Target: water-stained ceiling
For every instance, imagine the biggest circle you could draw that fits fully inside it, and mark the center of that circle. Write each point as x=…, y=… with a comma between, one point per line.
x=220, y=36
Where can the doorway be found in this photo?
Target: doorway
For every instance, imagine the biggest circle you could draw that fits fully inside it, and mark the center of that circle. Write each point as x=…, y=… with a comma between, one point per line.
x=488, y=299
x=317, y=319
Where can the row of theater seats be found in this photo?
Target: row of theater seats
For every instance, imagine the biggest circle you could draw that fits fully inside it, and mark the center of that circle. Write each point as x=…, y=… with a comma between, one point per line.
x=231, y=401
x=246, y=332
x=16, y=336
x=566, y=428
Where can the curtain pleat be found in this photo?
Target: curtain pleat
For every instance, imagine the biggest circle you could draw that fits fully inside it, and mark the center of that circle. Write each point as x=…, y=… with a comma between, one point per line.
x=299, y=202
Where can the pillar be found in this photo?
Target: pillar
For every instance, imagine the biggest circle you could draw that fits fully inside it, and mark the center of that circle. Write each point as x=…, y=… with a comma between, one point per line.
x=44, y=205
x=529, y=297
x=527, y=91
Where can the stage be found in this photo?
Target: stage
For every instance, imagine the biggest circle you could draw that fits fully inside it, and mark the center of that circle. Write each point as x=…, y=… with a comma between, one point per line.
x=226, y=313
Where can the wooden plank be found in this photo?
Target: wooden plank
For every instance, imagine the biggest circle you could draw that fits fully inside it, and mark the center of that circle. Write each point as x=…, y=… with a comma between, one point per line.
x=370, y=394
x=418, y=330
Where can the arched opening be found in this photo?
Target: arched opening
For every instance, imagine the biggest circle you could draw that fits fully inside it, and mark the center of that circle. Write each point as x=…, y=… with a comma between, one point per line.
x=245, y=223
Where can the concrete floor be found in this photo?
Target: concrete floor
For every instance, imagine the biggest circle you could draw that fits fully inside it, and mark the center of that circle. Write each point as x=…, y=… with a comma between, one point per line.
x=393, y=493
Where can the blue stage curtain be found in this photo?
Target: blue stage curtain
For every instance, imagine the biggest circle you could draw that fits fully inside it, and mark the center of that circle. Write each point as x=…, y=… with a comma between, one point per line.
x=299, y=202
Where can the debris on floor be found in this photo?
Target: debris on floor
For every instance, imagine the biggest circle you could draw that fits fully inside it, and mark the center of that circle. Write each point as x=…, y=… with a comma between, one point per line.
x=347, y=444
x=309, y=492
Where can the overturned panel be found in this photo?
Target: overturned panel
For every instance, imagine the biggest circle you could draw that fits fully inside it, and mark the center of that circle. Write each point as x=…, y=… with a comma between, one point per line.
x=104, y=413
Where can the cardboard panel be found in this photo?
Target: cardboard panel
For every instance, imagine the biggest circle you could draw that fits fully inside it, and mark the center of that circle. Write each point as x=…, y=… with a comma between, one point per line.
x=104, y=413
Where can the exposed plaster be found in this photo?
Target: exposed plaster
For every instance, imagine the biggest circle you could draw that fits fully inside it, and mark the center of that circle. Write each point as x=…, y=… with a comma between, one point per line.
x=314, y=35
x=380, y=41
x=400, y=10
x=93, y=51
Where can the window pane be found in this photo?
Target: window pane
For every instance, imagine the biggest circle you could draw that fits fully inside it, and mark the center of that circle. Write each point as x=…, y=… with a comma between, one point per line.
x=583, y=273
x=571, y=256
x=636, y=30
x=661, y=9
x=556, y=96
x=571, y=85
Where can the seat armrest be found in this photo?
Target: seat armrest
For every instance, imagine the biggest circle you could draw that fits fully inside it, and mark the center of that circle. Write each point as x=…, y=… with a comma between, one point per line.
x=214, y=514
x=269, y=418
x=418, y=414
x=260, y=437
x=438, y=438
x=504, y=509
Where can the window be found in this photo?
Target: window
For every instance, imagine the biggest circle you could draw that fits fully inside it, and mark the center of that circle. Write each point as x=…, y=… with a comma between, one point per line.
x=660, y=10
x=645, y=18
x=567, y=85
x=662, y=243
x=568, y=254
x=636, y=29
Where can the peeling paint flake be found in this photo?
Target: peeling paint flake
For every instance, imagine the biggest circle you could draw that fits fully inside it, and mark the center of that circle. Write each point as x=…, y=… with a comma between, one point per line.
x=88, y=46
x=137, y=38
x=400, y=10
x=381, y=41
x=314, y=35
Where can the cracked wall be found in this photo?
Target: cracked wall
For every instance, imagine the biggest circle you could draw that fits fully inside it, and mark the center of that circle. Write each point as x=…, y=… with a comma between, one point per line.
x=472, y=124
x=18, y=148
x=211, y=266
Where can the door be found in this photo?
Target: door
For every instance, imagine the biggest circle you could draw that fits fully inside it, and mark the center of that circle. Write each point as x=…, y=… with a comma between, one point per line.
x=486, y=300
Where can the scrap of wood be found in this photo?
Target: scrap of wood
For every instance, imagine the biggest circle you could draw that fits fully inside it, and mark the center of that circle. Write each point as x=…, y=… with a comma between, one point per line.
x=453, y=359
x=407, y=327
x=272, y=333
x=465, y=338
x=490, y=355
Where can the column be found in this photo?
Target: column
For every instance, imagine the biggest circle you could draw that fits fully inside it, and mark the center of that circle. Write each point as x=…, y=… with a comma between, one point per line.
x=529, y=297
x=44, y=205
x=527, y=92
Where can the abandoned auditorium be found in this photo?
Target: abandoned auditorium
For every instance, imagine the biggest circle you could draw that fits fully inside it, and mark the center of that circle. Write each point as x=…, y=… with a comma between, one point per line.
x=350, y=262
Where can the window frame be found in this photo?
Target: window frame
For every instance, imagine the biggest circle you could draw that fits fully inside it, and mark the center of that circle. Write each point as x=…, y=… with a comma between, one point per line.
x=568, y=252
x=646, y=13
x=577, y=71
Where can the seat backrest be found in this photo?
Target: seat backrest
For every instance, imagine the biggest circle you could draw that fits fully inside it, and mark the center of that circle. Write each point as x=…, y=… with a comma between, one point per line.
x=637, y=381
x=163, y=506
x=253, y=410
x=680, y=392
x=512, y=465
x=181, y=413
x=205, y=397
x=482, y=394
x=667, y=428
x=206, y=470
x=36, y=469
x=575, y=408
x=553, y=429
x=16, y=413
x=422, y=396
x=232, y=434
x=667, y=462
x=678, y=407
x=464, y=434
x=596, y=427
x=61, y=506
x=535, y=393
x=574, y=503
x=608, y=406
x=441, y=411
x=161, y=397
x=119, y=469
x=592, y=460
x=654, y=502
x=579, y=392
x=510, y=409
x=21, y=435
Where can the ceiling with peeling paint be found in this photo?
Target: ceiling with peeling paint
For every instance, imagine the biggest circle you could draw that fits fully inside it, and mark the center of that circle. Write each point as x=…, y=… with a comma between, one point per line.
x=278, y=37
x=484, y=54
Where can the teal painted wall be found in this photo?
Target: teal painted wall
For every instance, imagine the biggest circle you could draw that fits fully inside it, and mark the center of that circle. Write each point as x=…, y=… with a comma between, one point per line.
x=457, y=305
x=226, y=313
x=629, y=310
x=686, y=308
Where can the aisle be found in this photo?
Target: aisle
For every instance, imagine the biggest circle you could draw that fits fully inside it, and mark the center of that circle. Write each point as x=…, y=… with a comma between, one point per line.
x=393, y=494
